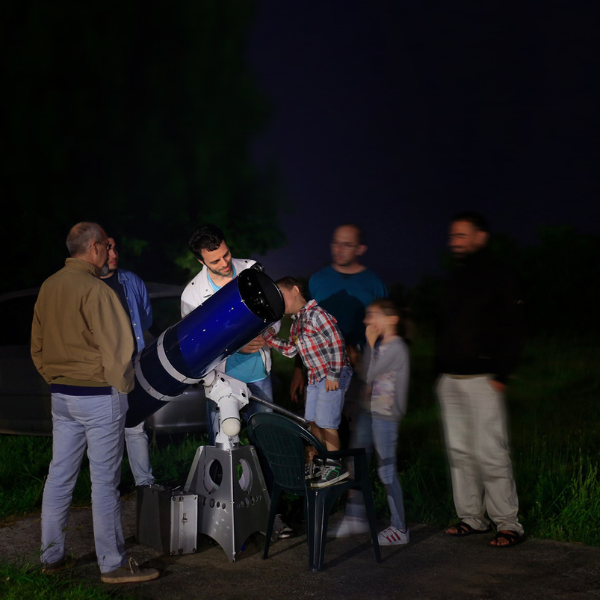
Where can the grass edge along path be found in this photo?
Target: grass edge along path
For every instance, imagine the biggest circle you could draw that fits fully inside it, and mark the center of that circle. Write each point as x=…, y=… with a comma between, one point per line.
x=555, y=439
x=25, y=580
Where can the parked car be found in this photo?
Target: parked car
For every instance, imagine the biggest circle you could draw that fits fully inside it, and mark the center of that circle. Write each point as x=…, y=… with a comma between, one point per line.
x=25, y=396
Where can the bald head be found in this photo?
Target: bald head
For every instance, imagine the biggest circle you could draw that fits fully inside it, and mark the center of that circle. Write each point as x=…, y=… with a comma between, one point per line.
x=89, y=242
x=82, y=236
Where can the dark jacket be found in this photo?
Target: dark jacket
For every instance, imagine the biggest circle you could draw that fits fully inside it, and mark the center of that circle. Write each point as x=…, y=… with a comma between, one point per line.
x=481, y=319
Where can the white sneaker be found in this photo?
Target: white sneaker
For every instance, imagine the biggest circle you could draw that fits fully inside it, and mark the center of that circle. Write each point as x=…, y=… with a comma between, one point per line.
x=282, y=530
x=349, y=526
x=393, y=537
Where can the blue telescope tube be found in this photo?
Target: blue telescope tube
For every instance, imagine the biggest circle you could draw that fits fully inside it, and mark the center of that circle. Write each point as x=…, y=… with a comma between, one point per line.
x=187, y=351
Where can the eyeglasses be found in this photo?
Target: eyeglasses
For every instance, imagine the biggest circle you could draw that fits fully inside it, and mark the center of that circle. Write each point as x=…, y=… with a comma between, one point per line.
x=109, y=246
x=346, y=245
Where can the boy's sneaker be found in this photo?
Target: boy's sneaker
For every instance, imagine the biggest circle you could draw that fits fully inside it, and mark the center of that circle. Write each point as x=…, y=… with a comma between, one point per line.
x=349, y=526
x=332, y=473
x=313, y=469
x=131, y=573
x=393, y=537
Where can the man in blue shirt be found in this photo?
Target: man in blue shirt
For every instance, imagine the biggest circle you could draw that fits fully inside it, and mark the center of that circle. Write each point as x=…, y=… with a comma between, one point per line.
x=344, y=289
x=251, y=364
x=134, y=298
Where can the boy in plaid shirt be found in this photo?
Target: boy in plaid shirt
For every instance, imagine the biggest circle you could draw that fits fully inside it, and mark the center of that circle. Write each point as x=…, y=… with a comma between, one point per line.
x=315, y=336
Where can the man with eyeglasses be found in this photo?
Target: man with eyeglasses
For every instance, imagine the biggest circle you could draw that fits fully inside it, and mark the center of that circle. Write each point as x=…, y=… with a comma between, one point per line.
x=344, y=289
x=81, y=344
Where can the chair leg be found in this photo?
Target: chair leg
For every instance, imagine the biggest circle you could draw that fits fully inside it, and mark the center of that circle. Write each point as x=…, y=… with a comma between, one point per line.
x=319, y=507
x=370, y=508
x=313, y=538
x=272, y=512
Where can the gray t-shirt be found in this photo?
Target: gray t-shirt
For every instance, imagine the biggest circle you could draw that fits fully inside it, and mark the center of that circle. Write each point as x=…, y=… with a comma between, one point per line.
x=385, y=370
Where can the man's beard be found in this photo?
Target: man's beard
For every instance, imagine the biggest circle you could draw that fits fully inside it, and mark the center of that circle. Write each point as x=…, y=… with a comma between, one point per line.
x=104, y=271
x=219, y=274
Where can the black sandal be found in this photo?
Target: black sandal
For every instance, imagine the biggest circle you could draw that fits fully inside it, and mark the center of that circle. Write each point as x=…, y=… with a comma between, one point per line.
x=512, y=536
x=464, y=529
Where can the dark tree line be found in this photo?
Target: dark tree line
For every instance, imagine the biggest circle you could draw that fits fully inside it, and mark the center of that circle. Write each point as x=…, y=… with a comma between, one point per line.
x=138, y=115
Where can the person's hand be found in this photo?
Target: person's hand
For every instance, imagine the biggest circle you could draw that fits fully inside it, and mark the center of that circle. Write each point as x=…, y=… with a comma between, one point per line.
x=372, y=333
x=497, y=386
x=297, y=384
x=266, y=332
x=254, y=346
x=331, y=386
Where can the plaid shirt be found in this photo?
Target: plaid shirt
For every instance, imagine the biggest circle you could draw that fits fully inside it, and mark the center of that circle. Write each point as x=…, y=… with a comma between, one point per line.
x=315, y=335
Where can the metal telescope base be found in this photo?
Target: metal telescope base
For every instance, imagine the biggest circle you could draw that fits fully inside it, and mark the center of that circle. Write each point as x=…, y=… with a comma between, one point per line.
x=233, y=501
x=226, y=486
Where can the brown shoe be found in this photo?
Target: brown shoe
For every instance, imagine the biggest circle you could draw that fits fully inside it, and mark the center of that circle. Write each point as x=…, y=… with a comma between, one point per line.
x=131, y=573
x=60, y=565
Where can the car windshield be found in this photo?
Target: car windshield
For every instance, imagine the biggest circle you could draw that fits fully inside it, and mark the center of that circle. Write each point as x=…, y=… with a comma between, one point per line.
x=17, y=314
x=166, y=312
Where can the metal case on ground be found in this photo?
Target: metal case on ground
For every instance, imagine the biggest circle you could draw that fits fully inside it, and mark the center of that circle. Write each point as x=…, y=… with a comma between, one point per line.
x=167, y=519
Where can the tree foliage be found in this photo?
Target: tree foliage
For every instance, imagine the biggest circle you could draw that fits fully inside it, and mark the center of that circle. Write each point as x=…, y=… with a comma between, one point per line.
x=138, y=115
x=560, y=280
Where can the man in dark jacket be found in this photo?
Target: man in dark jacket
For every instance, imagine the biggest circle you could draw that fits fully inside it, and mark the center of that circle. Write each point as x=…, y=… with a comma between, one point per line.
x=478, y=347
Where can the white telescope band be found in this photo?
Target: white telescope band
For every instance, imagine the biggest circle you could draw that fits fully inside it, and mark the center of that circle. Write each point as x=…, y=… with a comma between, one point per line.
x=168, y=367
x=145, y=385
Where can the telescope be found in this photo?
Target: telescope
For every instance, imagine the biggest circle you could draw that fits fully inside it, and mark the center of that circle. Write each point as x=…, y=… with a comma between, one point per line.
x=225, y=496
x=186, y=352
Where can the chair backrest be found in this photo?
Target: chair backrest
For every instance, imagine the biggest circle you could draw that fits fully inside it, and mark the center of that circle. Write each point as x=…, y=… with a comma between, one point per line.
x=283, y=442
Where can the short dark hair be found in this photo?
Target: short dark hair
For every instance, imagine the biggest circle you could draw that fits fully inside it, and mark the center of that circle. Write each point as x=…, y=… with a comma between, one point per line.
x=205, y=237
x=476, y=219
x=390, y=309
x=289, y=282
x=82, y=236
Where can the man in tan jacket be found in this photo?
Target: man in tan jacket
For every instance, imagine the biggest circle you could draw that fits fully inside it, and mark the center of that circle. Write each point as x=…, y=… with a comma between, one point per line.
x=81, y=343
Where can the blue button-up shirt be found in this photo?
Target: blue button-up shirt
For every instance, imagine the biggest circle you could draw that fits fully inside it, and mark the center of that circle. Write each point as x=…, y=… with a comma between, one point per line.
x=140, y=309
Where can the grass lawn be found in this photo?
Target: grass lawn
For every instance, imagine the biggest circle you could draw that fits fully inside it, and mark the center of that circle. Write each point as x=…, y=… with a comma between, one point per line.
x=555, y=422
x=18, y=582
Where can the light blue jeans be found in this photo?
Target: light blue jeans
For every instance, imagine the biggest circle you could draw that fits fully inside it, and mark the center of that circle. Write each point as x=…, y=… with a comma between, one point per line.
x=95, y=422
x=325, y=408
x=138, y=453
x=262, y=389
x=380, y=435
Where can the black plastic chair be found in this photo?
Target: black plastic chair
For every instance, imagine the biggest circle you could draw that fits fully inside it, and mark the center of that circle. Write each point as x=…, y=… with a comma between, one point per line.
x=283, y=442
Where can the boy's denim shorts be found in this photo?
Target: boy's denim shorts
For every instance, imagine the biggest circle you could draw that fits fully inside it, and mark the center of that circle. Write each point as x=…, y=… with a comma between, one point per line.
x=325, y=408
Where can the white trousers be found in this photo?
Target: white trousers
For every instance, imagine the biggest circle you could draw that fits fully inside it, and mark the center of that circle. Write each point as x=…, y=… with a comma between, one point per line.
x=475, y=428
x=95, y=423
x=138, y=453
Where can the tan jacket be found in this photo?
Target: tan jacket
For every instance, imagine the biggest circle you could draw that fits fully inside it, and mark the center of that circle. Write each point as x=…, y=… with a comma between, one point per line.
x=80, y=332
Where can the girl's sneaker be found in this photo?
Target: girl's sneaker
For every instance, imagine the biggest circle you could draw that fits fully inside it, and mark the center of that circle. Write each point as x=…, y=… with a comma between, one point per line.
x=393, y=537
x=348, y=526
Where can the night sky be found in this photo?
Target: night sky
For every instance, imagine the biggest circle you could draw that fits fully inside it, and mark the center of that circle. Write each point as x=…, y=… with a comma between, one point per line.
x=398, y=114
